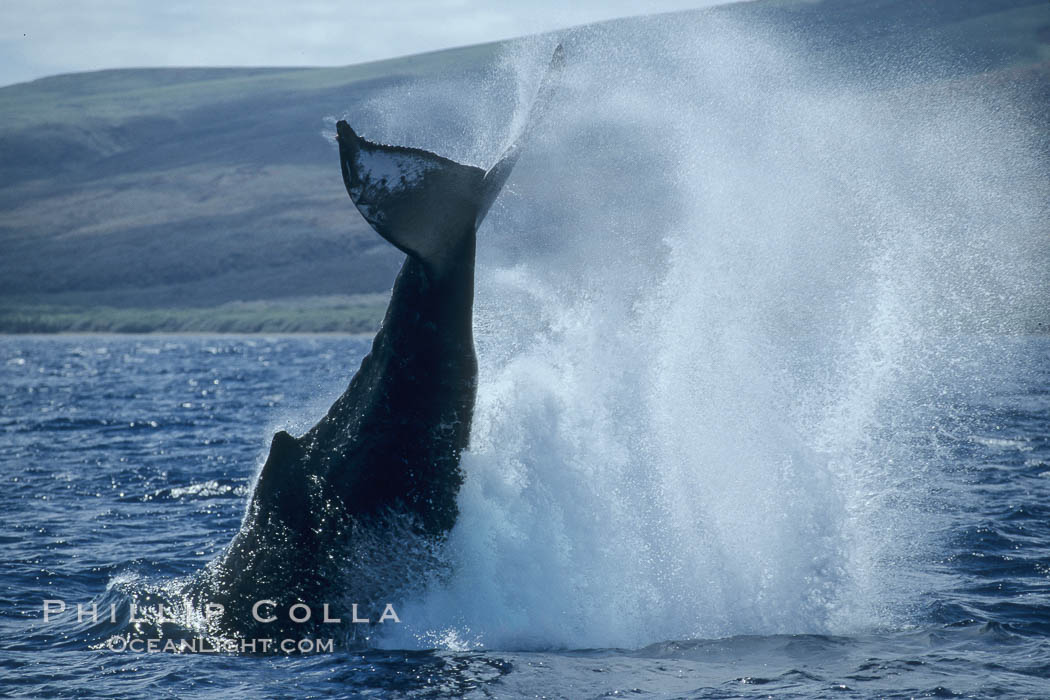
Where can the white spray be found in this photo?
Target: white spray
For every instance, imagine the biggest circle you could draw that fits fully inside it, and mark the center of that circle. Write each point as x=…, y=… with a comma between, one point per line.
x=718, y=311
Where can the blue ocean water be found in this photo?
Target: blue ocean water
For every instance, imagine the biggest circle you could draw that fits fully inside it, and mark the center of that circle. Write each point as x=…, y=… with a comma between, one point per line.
x=127, y=462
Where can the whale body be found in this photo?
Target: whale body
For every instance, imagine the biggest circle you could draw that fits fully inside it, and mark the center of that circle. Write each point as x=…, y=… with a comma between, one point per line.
x=351, y=505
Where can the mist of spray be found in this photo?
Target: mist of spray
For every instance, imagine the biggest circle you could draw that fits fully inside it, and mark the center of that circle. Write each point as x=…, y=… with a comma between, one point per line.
x=721, y=312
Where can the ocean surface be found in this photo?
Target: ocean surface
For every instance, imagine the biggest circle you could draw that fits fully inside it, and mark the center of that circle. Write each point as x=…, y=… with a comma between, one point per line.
x=127, y=462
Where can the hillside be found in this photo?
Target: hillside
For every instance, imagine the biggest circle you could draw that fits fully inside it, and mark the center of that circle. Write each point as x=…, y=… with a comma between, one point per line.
x=162, y=189
x=207, y=200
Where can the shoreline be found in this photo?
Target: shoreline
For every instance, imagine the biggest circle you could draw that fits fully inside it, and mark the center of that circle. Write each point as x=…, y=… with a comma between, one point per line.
x=183, y=334
x=349, y=315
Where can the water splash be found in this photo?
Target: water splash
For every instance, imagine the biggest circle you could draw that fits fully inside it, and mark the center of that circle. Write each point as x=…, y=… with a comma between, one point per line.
x=721, y=314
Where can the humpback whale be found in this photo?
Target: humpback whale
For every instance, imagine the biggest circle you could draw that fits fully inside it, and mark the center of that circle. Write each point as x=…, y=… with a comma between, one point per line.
x=353, y=504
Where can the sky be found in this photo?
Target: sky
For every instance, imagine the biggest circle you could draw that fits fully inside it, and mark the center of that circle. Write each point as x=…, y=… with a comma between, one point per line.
x=47, y=37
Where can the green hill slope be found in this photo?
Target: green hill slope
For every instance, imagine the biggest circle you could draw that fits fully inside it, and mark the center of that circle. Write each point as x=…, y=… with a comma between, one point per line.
x=205, y=199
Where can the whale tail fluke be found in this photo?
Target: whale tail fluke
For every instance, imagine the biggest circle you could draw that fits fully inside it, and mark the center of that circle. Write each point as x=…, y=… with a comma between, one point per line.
x=413, y=198
x=417, y=199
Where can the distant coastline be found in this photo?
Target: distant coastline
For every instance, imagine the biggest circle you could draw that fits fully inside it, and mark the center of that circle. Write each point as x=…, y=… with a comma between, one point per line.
x=209, y=200
x=353, y=314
